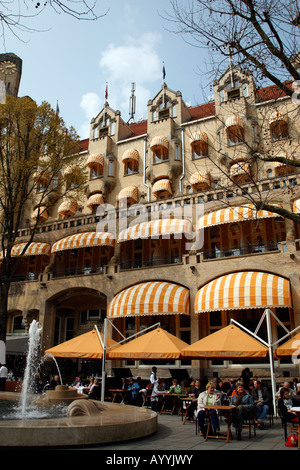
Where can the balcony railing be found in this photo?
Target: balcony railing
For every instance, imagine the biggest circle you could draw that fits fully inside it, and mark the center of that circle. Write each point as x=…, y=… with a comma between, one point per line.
x=78, y=271
x=241, y=250
x=147, y=262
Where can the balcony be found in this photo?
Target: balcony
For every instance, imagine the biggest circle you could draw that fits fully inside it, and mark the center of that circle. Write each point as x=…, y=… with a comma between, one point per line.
x=78, y=271
x=241, y=250
x=149, y=263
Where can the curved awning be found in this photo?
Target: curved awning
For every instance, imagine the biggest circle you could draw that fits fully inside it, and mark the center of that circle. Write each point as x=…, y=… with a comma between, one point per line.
x=233, y=214
x=96, y=159
x=82, y=240
x=150, y=298
x=41, y=176
x=95, y=200
x=33, y=249
x=159, y=141
x=130, y=154
x=130, y=192
x=283, y=155
x=234, y=121
x=199, y=136
x=162, y=185
x=201, y=179
x=296, y=206
x=243, y=290
x=239, y=168
x=156, y=228
x=67, y=208
x=276, y=117
x=40, y=213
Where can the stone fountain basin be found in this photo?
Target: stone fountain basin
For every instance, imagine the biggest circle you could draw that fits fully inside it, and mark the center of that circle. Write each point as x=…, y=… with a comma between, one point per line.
x=114, y=423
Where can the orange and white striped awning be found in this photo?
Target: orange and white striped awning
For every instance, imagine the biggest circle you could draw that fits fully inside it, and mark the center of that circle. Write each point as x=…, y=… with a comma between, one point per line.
x=234, y=121
x=41, y=175
x=130, y=154
x=156, y=228
x=159, y=141
x=239, y=168
x=130, y=192
x=232, y=214
x=83, y=240
x=96, y=159
x=95, y=200
x=201, y=178
x=40, y=213
x=276, y=117
x=199, y=136
x=243, y=290
x=33, y=249
x=67, y=208
x=296, y=206
x=162, y=185
x=150, y=298
x=283, y=155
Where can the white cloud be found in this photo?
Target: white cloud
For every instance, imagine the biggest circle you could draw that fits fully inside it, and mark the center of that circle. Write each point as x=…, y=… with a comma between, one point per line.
x=136, y=60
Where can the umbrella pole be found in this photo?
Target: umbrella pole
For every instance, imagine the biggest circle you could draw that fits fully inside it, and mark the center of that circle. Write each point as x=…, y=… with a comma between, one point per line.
x=103, y=361
x=271, y=358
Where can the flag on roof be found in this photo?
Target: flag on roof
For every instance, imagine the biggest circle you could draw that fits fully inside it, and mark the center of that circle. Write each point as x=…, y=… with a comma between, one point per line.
x=106, y=91
x=57, y=108
x=164, y=71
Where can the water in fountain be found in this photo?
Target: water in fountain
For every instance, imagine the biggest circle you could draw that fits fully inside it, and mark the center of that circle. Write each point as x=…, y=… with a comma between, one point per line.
x=27, y=408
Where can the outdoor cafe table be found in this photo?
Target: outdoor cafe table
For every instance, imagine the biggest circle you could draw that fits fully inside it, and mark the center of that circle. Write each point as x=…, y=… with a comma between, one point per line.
x=176, y=402
x=118, y=392
x=226, y=409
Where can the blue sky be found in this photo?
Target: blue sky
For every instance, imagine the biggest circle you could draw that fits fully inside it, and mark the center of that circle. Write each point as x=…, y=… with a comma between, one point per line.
x=70, y=61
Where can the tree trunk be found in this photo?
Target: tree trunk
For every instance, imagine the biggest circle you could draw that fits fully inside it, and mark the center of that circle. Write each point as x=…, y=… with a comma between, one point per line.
x=4, y=289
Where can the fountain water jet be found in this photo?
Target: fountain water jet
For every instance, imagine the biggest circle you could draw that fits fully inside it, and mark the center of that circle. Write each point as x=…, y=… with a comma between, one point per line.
x=87, y=422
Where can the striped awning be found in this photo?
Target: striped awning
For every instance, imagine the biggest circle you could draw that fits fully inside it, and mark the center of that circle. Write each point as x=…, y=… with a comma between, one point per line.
x=243, y=290
x=33, y=249
x=130, y=192
x=199, y=136
x=201, y=178
x=150, y=298
x=162, y=185
x=96, y=159
x=276, y=117
x=232, y=214
x=67, y=208
x=130, y=154
x=95, y=200
x=234, y=121
x=83, y=240
x=239, y=168
x=40, y=213
x=41, y=176
x=159, y=141
x=296, y=206
x=283, y=155
x=156, y=228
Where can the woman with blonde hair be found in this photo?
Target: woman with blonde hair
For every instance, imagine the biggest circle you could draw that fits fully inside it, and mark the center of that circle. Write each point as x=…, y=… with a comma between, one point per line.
x=209, y=397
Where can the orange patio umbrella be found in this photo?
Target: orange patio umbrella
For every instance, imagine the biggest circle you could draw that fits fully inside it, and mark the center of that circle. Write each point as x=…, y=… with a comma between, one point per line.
x=157, y=344
x=86, y=346
x=229, y=342
x=290, y=347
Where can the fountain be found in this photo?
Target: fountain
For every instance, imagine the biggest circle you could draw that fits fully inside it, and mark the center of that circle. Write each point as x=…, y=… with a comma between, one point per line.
x=78, y=422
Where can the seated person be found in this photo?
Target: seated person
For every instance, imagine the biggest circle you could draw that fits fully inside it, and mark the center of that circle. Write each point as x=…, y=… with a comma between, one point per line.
x=55, y=381
x=262, y=400
x=195, y=392
x=285, y=403
x=95, y=390
x=209, y=397
x=77, y=383
x=175, y=387
x=158, y=390
x=243, y=404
